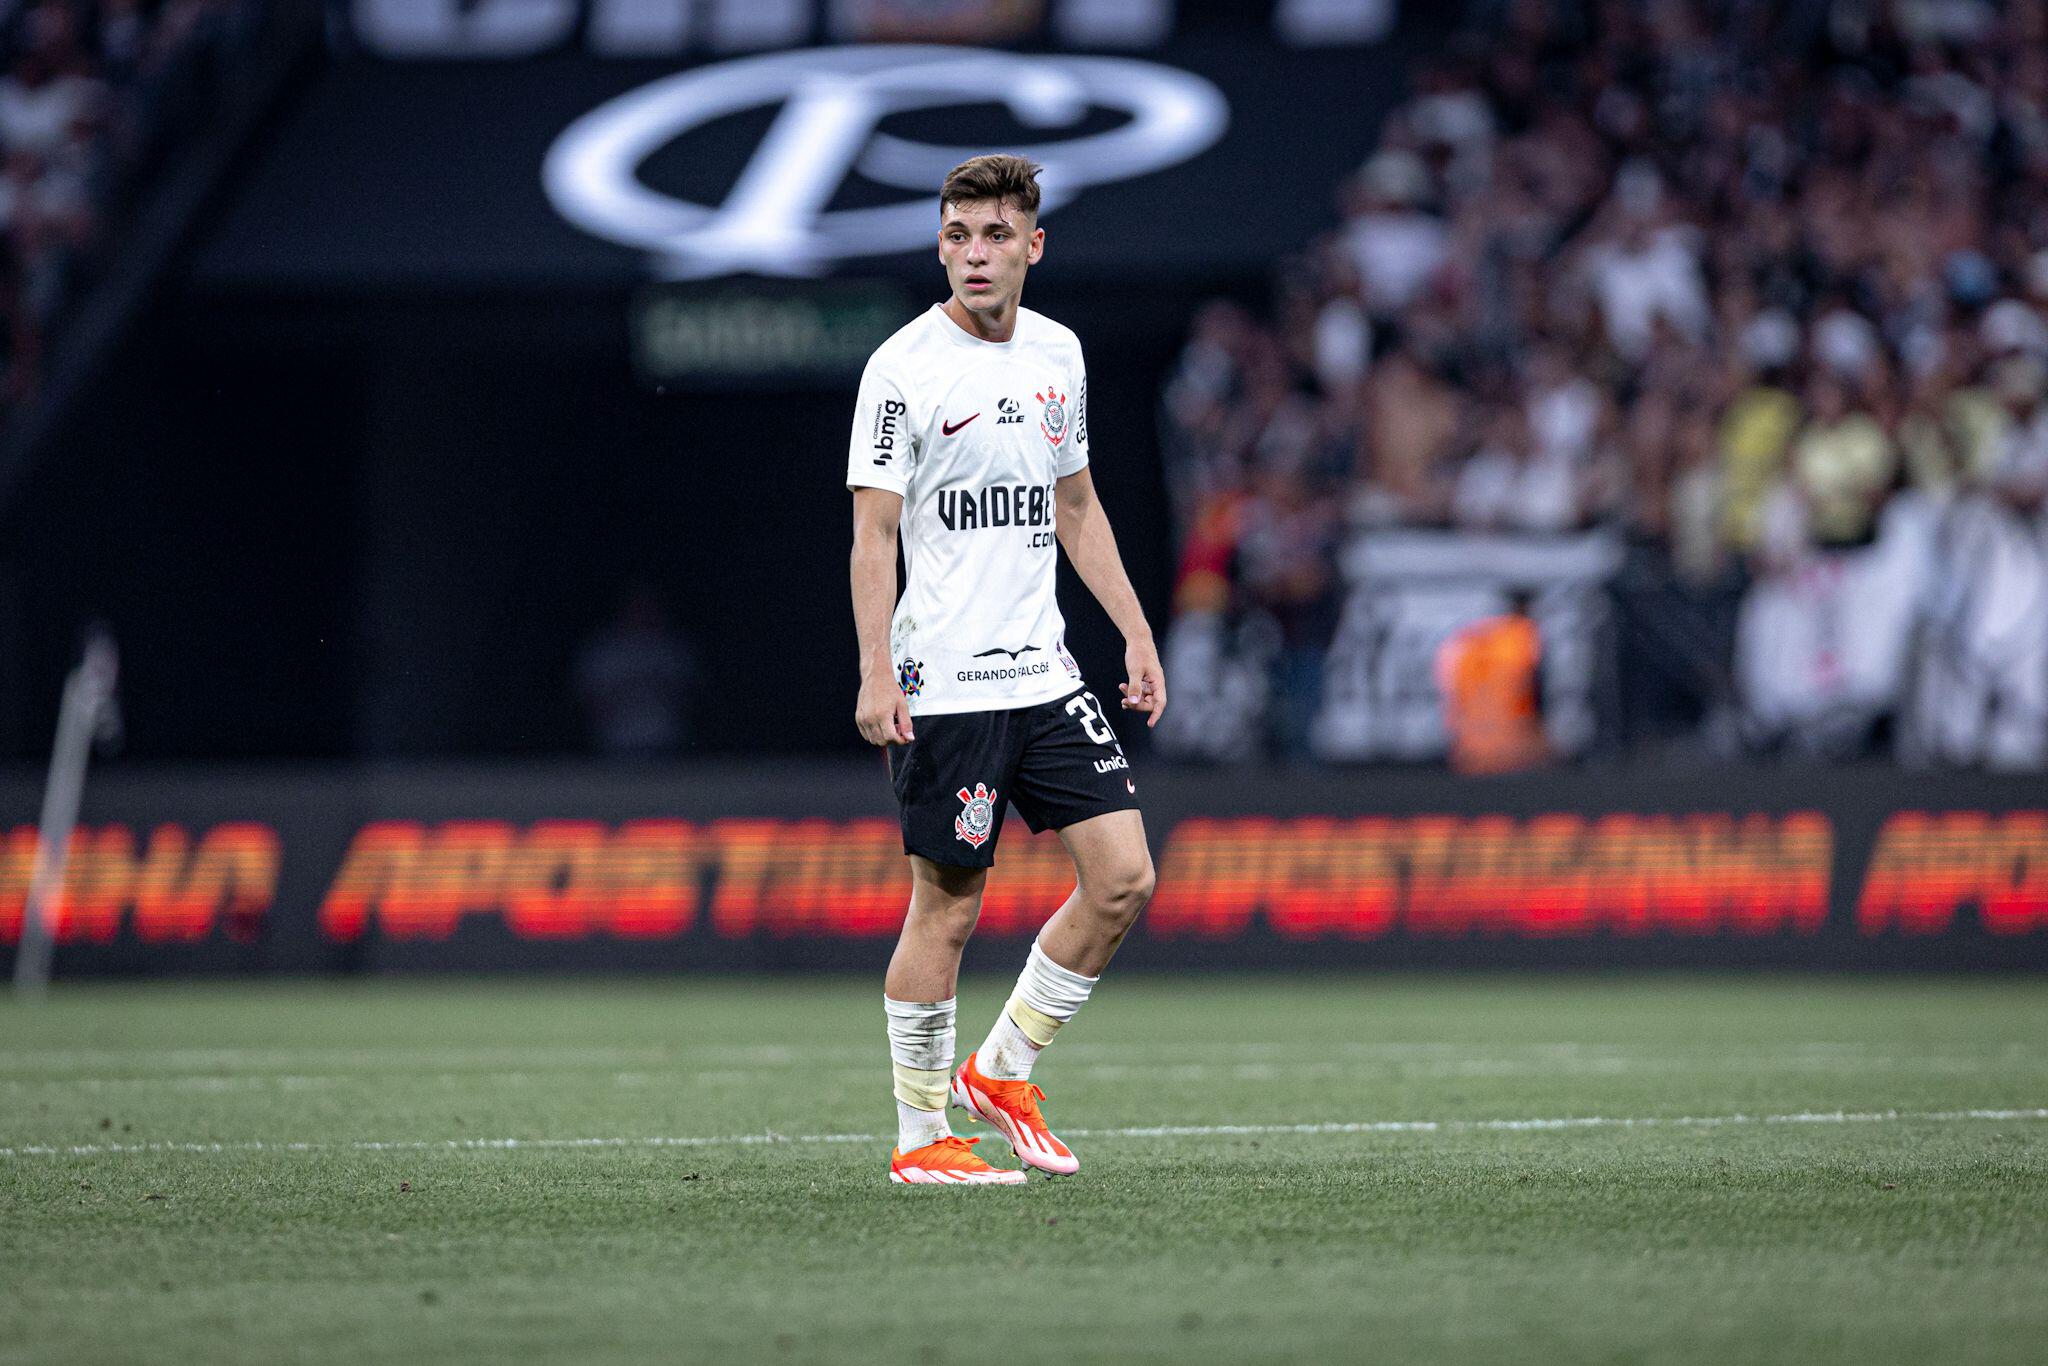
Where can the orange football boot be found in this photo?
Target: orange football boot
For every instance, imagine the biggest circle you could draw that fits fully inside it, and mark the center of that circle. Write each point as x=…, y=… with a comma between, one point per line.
x=948, y=1162
x=1011, y=1107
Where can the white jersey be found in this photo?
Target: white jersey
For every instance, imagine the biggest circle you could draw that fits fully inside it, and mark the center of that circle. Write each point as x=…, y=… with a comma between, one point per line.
x=974, y=435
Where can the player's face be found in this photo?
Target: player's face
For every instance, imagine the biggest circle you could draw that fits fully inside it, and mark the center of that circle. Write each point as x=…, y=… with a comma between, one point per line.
x=986, y=246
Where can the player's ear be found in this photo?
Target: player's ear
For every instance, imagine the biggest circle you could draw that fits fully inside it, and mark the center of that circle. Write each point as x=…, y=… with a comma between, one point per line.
x=1037, y=247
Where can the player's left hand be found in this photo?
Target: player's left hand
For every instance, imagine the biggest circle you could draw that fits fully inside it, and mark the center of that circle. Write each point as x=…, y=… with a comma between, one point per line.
x=1146, y=692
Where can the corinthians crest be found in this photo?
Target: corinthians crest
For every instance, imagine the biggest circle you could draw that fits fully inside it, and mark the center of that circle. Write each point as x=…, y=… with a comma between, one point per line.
x=978, y=817
x=1054, y=420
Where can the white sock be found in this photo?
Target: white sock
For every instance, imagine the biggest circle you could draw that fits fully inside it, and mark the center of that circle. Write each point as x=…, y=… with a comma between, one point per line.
x=1046, y=997
x=1007, y=1053
x=921, y=1054
x=915, y=1127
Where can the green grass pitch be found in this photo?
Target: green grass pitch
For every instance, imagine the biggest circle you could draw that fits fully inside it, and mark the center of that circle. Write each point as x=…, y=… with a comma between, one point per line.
x=1864, y=1177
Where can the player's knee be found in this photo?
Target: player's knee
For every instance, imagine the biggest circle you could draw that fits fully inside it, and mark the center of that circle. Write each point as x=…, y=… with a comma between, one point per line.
x=950, y=922
x=1143, y=882
x=1123, y=893
x=959, y=927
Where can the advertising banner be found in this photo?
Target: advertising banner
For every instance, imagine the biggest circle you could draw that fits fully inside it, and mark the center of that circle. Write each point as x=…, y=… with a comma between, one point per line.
x=576, y=170
x=801, y=867
x=770, y=333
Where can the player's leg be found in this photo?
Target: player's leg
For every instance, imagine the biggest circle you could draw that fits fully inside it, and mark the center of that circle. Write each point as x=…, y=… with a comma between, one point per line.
x=945, y=902
x=1113, y=883
x=918, y=995
x=948, y=870
x=1075, y=779
x=1114, y=880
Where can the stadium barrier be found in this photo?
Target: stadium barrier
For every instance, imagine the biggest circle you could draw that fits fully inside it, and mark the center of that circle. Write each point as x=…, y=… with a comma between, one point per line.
x=800, y=867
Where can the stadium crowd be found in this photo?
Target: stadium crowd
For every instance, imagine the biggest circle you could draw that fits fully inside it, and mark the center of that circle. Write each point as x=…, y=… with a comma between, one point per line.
x=91, y=92
x=1760, y=290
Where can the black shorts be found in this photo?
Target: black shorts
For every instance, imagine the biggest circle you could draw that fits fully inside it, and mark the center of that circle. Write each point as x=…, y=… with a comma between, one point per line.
x=1059, y=762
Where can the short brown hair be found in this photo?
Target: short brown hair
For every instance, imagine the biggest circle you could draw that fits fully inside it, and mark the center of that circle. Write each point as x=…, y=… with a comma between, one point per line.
x=1006, y=179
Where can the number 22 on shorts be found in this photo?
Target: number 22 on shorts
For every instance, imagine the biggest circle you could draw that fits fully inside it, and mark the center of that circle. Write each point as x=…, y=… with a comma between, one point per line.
x=1084, y=707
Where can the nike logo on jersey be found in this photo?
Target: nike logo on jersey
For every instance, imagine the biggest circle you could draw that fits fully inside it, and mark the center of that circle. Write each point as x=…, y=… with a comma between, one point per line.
x=1014, y=654
x=948, y=428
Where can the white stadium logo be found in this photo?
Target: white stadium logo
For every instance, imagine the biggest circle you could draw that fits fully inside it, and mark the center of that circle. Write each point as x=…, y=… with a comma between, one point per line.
x=775, y=221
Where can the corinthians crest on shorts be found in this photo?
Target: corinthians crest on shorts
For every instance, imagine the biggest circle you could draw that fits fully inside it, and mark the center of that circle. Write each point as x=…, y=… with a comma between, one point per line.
x=977, y=817
x=1054, y=420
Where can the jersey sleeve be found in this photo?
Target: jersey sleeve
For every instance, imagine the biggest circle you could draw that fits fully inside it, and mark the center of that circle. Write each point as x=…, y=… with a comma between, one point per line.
x=1075, y=456
x=882, y=449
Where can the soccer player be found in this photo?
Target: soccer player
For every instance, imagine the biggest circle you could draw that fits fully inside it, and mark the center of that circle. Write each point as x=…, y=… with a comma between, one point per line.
x=971, y=439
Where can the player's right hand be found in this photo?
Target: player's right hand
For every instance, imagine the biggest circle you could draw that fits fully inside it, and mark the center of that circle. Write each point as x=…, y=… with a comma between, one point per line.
x=883, y=713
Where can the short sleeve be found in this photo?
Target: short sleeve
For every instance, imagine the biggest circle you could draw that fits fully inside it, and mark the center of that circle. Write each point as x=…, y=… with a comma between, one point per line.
x=1075, y=457
x=881, y=451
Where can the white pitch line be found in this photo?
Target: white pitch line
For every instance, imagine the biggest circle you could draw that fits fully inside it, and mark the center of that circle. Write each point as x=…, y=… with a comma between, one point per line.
x=302, y=1060
x=1380, y=1126
x=1361, y=1070
x=1430, y=1126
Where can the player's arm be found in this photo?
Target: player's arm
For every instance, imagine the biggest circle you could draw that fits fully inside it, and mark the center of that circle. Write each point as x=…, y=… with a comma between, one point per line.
x=1091, y=547
x=881, y=712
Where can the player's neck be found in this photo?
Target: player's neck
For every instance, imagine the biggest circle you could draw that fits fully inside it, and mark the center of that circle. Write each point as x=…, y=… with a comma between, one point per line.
x=991, y=325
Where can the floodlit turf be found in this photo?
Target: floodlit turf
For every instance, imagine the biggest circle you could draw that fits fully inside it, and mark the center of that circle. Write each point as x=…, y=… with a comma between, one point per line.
x=1916, y=1233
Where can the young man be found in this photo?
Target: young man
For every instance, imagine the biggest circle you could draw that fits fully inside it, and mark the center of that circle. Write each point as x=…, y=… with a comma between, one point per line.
x=971, y=437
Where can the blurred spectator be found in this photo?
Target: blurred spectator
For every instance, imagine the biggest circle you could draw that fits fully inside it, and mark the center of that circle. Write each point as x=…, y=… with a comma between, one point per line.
x=1842, y=464
x=1509, y=484
x=1395, y=243
x=123, y=38
x=1489, y=674
x=1566, y=410
x=635, y=678
x=1645, y=268
x=1754, y=433
x=1343, y=337
x=1412, y=421
x=1983, y=688
x=1697, y=493
x=1766, y=293
x=1286, y=559
x=1951, y=433
x=92, y=93
x=40, y=100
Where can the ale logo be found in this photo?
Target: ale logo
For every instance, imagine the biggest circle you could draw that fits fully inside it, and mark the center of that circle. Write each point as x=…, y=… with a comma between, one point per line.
x=776, y=218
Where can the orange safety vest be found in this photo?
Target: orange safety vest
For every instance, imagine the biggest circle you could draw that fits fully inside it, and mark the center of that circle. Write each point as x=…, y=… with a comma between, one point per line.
x=1487, y=673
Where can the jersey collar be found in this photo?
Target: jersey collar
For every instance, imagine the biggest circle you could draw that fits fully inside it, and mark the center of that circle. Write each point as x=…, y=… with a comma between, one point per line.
x=960, y=336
